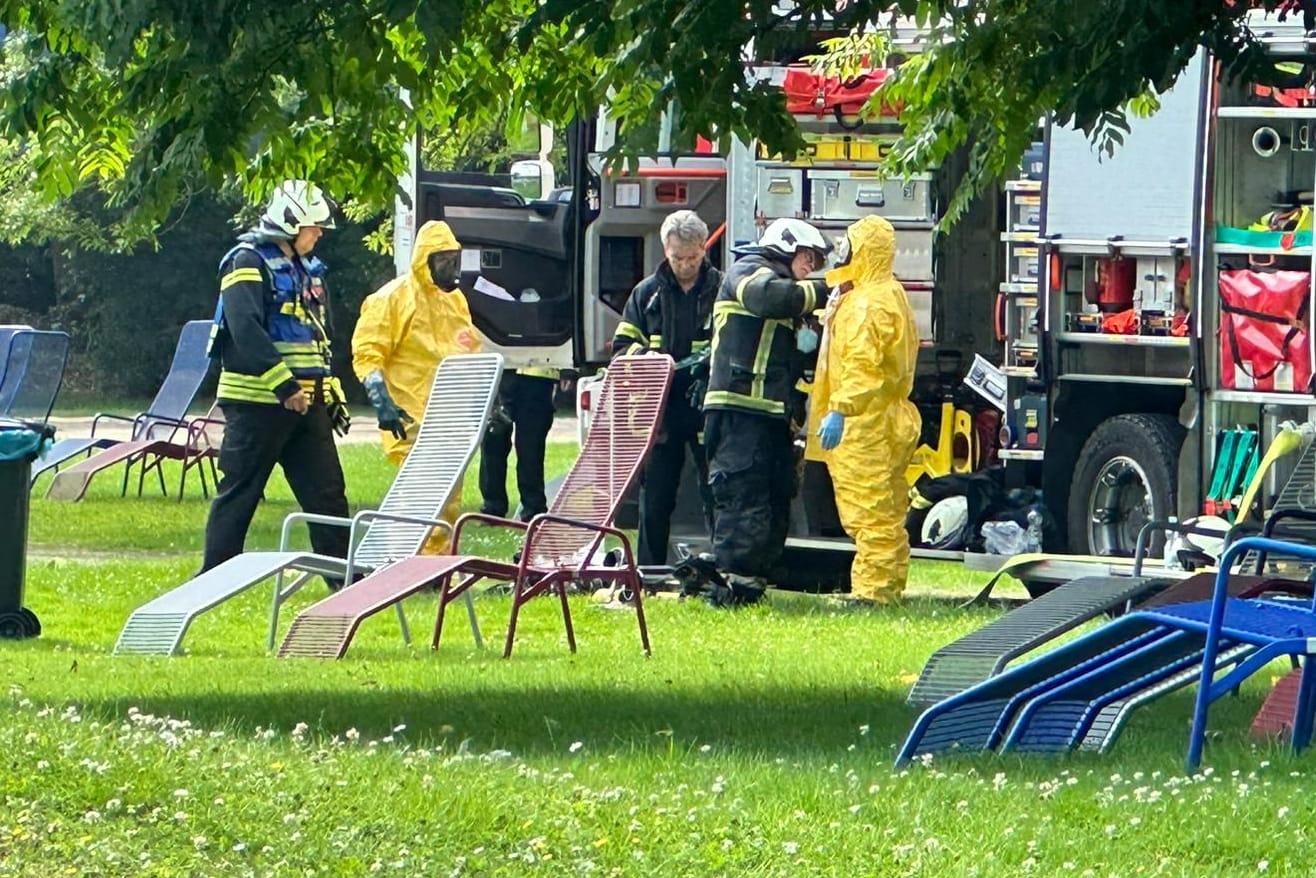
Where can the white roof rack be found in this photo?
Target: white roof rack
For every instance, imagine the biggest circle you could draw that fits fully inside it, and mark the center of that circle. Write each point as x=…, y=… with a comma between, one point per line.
x=1285, y=37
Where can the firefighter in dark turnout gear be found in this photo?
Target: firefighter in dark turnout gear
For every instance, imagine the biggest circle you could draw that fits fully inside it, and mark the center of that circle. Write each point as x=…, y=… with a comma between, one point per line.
x=671, y=312
x=280, y=401
x=759, y=343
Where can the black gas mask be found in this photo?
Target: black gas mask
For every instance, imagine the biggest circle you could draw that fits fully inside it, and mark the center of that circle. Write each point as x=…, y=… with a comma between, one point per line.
x=445, y=269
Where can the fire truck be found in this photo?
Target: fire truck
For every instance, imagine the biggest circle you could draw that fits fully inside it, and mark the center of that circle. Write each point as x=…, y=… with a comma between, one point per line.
x=1129, y=325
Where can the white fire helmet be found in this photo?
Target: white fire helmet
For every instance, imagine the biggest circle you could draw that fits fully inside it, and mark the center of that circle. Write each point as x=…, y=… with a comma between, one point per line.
x=787, y=235
x=295, y=205
x=947, y=523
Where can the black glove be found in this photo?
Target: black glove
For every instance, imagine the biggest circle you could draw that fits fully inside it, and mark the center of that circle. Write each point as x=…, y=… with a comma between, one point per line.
x=697, y=365
x=338, y=414
x=695, y=394
x=500, y=421
x=389, y=416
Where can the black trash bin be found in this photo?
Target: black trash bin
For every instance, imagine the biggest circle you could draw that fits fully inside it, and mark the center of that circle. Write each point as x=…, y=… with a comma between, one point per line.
x=17, y=451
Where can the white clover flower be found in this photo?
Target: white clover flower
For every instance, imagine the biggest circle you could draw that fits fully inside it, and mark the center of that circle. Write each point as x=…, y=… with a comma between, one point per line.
x=299, y=730
x=705, y=748
x=199, y=842
x=791, y=847
x=1283, y=812
x=181, y=794
x=91, y=817
x=352, y=735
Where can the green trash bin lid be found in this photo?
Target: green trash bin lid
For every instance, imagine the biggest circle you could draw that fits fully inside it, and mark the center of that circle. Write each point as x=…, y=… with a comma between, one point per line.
x=22, y=441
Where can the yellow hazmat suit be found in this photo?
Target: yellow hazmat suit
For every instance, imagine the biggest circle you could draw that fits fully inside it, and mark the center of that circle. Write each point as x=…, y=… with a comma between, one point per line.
x=866, y=373
x=406, y=328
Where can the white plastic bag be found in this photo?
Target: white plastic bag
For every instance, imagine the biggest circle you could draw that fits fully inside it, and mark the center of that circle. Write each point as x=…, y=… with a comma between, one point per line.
x=1008, y=538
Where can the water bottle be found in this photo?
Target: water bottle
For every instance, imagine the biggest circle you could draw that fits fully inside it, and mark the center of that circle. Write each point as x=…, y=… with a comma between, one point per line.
x=1035, y=529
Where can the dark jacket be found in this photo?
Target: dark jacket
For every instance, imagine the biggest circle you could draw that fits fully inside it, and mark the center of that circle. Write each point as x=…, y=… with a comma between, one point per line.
x=270, y=330
x=660, y=316
x=755, y=364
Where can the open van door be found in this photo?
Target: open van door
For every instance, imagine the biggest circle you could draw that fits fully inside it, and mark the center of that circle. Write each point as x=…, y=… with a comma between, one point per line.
x=547, y=272
x=516, y=271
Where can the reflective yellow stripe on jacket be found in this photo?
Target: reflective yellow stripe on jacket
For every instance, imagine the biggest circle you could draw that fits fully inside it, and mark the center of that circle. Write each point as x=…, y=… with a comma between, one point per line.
x=253, y=388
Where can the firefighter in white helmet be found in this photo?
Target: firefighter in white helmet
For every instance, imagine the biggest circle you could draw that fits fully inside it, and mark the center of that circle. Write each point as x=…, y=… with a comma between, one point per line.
x=759, y=345
x=280, y=400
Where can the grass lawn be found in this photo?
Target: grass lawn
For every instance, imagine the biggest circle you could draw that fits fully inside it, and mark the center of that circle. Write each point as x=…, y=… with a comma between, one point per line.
x=756, y=742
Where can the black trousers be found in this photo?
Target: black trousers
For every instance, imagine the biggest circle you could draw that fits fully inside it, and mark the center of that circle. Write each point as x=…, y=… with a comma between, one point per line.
x=659, y=485
x=528, y=402
x=256, y=437
x=751, y=471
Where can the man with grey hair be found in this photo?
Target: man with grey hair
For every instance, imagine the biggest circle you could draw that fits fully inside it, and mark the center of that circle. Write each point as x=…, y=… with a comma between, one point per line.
x=671, y=312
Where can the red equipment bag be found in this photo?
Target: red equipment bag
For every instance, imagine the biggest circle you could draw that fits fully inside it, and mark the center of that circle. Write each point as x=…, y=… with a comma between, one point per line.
x=1263, y=330
x=1116, y=280
x=809, y=92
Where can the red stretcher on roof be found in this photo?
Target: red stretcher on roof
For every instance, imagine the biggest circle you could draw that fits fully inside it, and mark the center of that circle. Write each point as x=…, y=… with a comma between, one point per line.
x=808, y=92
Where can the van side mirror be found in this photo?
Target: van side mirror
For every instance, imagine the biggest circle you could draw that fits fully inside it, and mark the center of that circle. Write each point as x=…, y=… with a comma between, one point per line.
x=528, y=180
x=533, y=179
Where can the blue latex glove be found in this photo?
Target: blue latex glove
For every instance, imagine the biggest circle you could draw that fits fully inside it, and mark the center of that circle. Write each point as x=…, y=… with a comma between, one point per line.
x=831, y=429
x=390, y=417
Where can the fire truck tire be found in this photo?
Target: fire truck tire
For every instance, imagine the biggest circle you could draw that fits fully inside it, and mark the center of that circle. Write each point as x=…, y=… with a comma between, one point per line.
x=1126, y=475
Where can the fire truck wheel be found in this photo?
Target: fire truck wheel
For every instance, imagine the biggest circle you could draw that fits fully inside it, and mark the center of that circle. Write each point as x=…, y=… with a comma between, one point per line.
x=1126, y=476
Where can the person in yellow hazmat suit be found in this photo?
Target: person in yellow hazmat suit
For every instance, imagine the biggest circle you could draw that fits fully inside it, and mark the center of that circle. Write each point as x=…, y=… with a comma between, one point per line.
x=865, y=423
x=406, y=328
